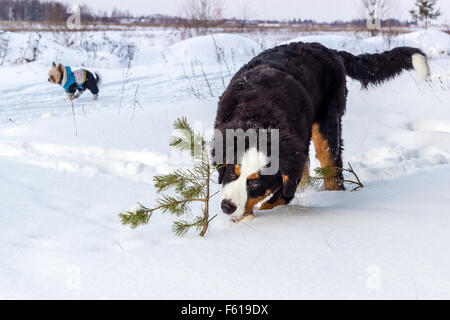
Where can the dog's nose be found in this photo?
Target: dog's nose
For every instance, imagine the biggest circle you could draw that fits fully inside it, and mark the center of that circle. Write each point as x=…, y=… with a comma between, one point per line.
x=228, y=207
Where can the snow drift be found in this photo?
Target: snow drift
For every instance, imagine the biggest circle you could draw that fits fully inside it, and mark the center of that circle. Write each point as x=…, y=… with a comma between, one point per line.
x=60, y=236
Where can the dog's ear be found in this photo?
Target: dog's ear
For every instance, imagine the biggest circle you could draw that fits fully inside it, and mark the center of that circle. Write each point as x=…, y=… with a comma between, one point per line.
x=221, y=170
x=60, y=68
x=53, y=64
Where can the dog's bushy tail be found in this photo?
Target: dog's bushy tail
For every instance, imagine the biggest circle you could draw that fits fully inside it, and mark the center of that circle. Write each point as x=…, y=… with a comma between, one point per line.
x=379, y=67
x=98, y=79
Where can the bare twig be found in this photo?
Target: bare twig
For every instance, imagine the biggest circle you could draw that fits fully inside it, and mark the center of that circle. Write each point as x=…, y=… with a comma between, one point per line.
x=136, y=103
x=74, y=119
x=126, y=75
x=357, y=182
x=325, y=172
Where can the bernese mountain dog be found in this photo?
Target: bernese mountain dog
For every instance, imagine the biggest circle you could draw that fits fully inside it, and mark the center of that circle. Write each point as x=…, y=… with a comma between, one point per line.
x=300, y=90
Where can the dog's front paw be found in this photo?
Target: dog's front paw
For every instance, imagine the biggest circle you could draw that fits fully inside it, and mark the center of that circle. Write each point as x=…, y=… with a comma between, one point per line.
x=95, y=97
x=246, y=218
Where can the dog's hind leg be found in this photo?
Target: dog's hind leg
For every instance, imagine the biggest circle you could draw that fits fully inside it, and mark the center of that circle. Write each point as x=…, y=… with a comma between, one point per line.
x=328, y=144
x=306, y=174
x=77, y=94
x=91, y=84
x=327, y=132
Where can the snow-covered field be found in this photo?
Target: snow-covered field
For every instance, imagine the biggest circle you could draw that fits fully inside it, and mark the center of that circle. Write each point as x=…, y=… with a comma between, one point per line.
x=63, y=182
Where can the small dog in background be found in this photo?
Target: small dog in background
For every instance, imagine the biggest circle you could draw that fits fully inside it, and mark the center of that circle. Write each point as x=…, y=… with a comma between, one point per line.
x=74, y=82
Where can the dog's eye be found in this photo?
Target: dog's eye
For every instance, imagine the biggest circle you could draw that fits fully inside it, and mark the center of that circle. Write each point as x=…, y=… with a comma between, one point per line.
x=253, y=184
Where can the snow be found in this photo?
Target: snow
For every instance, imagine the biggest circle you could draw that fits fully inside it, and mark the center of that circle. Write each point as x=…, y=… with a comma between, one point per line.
x=434, y=43
x=60, y=235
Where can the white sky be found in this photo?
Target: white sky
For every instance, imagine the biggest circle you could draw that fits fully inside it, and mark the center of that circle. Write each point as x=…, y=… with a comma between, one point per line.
x=320, y=10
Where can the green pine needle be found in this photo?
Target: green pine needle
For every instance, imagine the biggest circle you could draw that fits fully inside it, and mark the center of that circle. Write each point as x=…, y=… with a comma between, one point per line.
x=172, y=205
x=188, y=141
x=194, y=191
x=181, y=227
x=182, y=124
x=323, y=172
x=136, y=218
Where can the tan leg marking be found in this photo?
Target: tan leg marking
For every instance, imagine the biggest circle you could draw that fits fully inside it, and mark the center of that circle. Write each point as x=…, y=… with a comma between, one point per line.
x=270, y=206
x=252, y=202
x=306, y=176
x=323, y=154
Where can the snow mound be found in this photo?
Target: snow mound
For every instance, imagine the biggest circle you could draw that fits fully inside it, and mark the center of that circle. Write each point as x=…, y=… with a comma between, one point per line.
x=434, y=43
x=113, y=49
x=207, y=50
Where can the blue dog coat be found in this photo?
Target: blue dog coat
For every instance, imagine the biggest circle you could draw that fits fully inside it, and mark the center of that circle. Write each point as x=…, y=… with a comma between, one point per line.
x=78, y=77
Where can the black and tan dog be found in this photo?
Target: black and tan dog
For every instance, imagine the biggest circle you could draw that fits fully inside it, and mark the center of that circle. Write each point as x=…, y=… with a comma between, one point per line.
x=299, y=89
x=74, y=82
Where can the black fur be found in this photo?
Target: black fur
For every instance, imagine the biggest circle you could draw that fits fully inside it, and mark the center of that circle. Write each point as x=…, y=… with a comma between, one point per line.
x=98, y=79
x=92, y=82
x=379, y=67
x=290, y=88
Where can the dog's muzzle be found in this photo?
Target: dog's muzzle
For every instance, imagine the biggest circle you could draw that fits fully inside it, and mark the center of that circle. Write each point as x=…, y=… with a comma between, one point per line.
x=228, y=207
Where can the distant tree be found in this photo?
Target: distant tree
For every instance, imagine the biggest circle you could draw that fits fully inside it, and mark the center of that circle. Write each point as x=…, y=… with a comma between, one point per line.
x=200, y=15
x=115, y=14
x=244, y=19
x=32, y=10
x=86, y=14
x=36, y=10
x=376, y=11
x=425, y=11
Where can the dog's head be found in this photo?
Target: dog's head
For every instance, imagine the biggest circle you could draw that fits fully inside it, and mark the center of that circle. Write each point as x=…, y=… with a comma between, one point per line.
x=254, y=166
x=56, y=73
x=245, y=185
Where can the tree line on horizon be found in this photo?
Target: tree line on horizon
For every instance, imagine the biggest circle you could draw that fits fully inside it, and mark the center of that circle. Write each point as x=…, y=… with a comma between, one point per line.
x=51, y=11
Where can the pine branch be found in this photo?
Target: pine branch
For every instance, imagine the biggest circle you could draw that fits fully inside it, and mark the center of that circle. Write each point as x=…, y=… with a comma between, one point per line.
x=138, y=217
x=188, y=186
x=176, y=206
x=193, y=191
x=177, y=180
x=189, y=140
x=323, y=172
x=181, y=227
x=181, y=124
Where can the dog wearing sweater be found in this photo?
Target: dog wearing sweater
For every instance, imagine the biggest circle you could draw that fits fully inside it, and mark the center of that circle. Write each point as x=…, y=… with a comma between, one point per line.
x=74, y=82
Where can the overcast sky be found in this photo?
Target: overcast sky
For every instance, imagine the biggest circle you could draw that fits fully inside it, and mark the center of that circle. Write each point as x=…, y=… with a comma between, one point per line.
x=320, y=10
